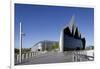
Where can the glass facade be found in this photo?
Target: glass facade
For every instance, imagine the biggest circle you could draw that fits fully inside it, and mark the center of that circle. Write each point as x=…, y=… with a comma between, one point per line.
x=70, y=43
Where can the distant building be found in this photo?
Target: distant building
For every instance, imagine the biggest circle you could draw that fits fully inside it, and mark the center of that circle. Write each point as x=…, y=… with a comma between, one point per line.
x=70, y=38
x=44, y=45
x=89, y=48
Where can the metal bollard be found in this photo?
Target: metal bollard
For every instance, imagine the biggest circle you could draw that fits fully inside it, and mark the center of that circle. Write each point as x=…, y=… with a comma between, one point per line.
x=23, y=57
x=32, y=54
x=29, y=55
x=17, y=58
x=26, y=57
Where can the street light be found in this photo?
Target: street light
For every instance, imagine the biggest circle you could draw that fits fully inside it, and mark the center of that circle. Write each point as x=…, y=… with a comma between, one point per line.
x=20, y=42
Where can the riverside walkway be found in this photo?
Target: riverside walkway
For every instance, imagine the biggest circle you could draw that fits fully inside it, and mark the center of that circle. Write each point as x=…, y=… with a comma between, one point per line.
x=59, y=57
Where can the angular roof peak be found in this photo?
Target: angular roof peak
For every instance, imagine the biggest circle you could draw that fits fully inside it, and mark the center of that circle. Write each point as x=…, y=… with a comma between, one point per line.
x=72, y=24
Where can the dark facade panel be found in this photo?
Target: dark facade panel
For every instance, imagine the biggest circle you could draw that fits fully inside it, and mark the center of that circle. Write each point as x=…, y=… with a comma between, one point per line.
x=70, y=43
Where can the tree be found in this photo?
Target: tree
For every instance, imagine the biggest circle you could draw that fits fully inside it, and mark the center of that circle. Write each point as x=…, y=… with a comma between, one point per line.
x=16, y=51
x=55, y=46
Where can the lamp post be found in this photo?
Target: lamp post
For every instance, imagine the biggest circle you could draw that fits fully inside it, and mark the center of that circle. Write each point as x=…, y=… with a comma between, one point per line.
x=20, y=42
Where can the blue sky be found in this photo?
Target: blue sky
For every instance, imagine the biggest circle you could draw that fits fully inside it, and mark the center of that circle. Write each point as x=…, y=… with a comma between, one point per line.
x=42, y=22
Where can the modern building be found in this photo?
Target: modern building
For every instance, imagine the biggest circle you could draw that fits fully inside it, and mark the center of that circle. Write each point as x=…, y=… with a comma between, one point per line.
x=70, y=38
x=45, y=45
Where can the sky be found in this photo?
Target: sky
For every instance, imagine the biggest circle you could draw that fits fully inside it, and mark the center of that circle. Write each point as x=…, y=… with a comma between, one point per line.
x=43, y=22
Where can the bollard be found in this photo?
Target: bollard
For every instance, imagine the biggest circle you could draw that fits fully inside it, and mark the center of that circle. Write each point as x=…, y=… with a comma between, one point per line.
x=73, y=58
x=29, y=55
x=32, y=54
x=17, y=58
x=26, y=56
x=23, y=57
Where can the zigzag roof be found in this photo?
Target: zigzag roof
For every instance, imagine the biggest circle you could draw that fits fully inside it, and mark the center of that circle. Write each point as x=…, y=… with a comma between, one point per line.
x=72, y=26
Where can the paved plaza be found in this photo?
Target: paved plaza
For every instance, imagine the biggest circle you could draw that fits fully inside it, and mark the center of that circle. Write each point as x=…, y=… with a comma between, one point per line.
x=57, y=57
